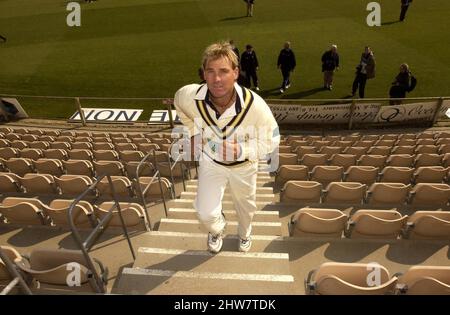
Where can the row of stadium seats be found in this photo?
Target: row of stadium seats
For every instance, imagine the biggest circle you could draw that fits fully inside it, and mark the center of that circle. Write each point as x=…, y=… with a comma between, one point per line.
x=55, y=133
x=332, y=278
x=368, y=223
x=74, y=185
x=75, y=154
x=359, y=150
x=45, y=145
x=56, y=167
x=11, y=137
x=356, y=137
x=346, y=160
x=326, y=174
x=32, y=211
x=318, y=145
x=394, y=194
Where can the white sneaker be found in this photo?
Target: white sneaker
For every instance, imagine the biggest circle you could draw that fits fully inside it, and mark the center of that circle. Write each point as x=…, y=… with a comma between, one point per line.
x=245, y=244
x=215, y=242
x=257, y=88
x=281, y=91
x=288, y=86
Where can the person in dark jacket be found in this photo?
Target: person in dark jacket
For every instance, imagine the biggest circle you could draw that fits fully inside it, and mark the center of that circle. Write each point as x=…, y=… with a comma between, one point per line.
x=330, y=63
x=364, y=71
x=249, y=65
x=401, y=84
x=287, y=63
x=404, y=8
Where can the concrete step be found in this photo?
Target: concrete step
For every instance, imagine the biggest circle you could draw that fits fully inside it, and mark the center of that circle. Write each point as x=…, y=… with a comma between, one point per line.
x=179, y=225
x=197, y=241
x=191, y=214
x=259, y=197
x=204, y=261
x=259, y=190
x=157, y=281
x=259, y=183
x=226, y=204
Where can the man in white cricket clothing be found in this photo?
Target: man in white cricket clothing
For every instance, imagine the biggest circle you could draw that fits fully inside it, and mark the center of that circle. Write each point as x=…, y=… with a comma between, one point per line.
x=230, y=129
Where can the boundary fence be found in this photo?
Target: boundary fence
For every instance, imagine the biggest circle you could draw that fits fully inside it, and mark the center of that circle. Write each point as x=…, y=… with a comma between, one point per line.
x=347, y=113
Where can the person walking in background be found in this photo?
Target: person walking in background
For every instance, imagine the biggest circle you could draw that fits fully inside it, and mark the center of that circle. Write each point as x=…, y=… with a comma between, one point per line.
x=404, y=8
x=404, y=82
x=286, y=62
x=250, y=4
x=364, y=71
x=230, y=128
x=249, y=65
x=330, y=63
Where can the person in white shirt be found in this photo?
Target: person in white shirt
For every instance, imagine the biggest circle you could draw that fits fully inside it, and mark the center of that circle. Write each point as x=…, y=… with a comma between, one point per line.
x=230, y=129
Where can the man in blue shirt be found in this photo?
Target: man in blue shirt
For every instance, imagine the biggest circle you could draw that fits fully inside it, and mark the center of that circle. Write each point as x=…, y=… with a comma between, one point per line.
x=330, y=63
x=286, y=62
x=249, y=65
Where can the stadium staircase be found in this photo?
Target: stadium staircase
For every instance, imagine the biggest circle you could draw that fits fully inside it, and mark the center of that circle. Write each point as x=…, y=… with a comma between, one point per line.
x=175, y=260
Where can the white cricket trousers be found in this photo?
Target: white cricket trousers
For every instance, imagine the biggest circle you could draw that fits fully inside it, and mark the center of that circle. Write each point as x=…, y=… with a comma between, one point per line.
x=212, y=181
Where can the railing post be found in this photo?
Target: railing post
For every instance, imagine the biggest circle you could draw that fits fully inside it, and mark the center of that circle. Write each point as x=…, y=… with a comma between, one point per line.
x=80, y=110
x=169, y=103
x=352, y=110
x=15, y=275
x=439, y=103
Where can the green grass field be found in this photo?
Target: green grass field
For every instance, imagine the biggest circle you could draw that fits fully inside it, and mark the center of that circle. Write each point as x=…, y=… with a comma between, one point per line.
x=150, y=48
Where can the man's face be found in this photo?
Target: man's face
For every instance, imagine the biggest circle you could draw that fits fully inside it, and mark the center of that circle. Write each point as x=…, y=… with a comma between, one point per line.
x=220, y=77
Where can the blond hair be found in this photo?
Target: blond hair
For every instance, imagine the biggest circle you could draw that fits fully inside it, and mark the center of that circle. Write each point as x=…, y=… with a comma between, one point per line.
x=220, y=50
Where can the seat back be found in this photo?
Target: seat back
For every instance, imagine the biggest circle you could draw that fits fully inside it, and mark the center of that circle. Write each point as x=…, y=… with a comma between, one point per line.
x=326, y=174
x=291, y=172
x=427, y=280
x=396, y=174
x=430, y=174
x=49, y=166
x=430, y=194
x=388, y=193
x=318, y=222
x=362, y=174
x=345, y=192
x=301, y=191
x=352, y=279
x=376, y=224
x=429, y=225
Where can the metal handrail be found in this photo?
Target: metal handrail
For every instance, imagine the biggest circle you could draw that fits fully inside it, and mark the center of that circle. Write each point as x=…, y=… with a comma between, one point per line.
x=17, y=277
x=172, y=167
x=143, y=192
x=86, y=245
